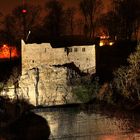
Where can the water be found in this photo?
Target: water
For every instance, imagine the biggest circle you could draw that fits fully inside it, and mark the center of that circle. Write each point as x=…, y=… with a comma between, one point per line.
x=91, y=124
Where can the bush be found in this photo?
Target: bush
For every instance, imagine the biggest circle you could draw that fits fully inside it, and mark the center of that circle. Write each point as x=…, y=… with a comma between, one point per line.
x=86, y=90
x=127, y=78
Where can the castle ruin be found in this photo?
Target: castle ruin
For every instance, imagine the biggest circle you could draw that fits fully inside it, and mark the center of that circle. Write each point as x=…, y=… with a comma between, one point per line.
x=45, y=79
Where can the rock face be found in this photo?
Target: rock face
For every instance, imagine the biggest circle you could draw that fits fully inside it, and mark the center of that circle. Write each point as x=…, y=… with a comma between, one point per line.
x=48, y=85
x=48, y=74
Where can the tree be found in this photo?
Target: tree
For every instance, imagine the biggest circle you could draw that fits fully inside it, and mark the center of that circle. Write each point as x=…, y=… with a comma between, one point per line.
x=54, y=21
x=110, y=21
x=1, y=15
x=127, y=78
x=69, y=15
x=128, y=11
x=84, y=10
x=89, y=9
x=79, y=26
x=23, y=19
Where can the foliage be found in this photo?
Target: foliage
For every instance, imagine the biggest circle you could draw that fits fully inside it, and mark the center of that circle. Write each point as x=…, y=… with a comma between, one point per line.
x=14, y=77
x=1, y=86
x=127, y=78
x=86, y=90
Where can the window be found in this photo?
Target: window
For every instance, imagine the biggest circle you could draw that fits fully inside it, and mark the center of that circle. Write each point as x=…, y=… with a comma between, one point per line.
x=83, y=49
x=70, y=50
x=32, y=61
x=75, y=49
x=45, y=50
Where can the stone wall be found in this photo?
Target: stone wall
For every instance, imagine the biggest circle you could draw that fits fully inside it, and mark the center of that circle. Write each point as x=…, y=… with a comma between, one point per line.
x=45, y=85
x=47, y=73
x=34, y=55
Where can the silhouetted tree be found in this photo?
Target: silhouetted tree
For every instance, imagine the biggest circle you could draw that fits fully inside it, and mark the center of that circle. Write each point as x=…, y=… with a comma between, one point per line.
x=69, y=15
x=18, y=24
x=79, y=26
x=84, y=10
x=89, y=10
x=1, y=15
x=110, y=21
x=127, y=78
x=54, y=21
x=129, y=13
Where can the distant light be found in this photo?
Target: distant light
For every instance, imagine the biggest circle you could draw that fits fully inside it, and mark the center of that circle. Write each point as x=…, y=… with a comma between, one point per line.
x=111, y=43
x=4, y=45
x=101, y=43
x=24, y=11
x=104, y=37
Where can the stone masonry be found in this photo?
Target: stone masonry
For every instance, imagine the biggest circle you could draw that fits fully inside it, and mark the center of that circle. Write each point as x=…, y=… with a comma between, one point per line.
x=42, y=82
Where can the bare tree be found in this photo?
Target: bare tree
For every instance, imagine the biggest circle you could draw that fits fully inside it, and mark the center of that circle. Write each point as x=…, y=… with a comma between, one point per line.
x=79, y=26
x=1, y=15
x=84, y=10
x=23, y=18
x=54, y=21
x=70, y=12
x=110, y=21
x=127, y=78
x=89, y=10
x=128, y=11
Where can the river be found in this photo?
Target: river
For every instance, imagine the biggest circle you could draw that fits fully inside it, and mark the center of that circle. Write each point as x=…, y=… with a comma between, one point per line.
x=91, y=124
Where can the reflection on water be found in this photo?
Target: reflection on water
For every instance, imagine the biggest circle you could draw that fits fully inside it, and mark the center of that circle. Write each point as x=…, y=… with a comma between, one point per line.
x=76, y=124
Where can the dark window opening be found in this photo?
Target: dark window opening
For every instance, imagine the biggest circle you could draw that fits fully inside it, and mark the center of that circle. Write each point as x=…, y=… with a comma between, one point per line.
x=83, y=49
x=45, y=50
x=75, y=49
x=70, y=49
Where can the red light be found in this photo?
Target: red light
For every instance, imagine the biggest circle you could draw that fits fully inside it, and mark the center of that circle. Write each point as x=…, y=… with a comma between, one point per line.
x=24, y=11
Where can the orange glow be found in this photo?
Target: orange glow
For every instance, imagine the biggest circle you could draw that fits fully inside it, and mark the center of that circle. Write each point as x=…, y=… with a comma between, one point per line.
x=111, y=43
x=8, y=51
x=101, y=43
x=104, y=37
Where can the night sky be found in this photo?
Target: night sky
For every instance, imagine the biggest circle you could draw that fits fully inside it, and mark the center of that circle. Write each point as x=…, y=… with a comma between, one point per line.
x=6, y=6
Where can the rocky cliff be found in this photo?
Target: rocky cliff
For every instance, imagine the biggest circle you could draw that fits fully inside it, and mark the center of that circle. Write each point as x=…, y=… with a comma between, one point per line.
x=48, y=85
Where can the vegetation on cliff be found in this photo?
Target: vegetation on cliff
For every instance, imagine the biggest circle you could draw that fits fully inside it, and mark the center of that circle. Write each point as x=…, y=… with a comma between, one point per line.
x=123, y=90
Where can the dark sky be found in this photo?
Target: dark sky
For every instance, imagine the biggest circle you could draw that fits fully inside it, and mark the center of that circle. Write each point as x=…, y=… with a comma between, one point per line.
x=6, y=6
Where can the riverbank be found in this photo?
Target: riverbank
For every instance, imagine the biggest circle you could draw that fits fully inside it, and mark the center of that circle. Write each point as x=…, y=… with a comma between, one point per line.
x=94, y=105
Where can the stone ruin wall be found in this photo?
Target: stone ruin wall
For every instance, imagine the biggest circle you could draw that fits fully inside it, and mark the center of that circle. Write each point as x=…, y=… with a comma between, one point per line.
x=34, y=55
x=46, y=85
x=41, y=82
